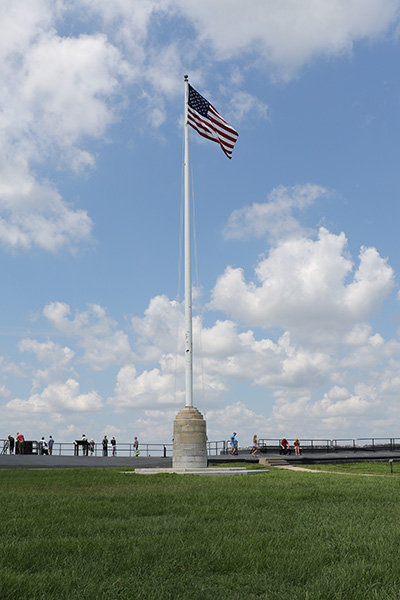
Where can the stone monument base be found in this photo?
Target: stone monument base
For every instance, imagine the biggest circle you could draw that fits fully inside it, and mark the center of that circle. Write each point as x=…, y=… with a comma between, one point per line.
x=190, y=440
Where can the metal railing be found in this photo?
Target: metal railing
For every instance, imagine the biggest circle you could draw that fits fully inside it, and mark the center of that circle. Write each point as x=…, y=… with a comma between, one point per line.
x=221, y=447
x=337, y=445
x=122, y=449
x=366, y=444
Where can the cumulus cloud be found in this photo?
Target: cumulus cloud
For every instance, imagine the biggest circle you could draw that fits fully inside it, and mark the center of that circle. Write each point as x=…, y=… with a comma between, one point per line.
x=287, y=35
x=304, y=284
x=149, y=389
x=103, y=344
x=274, y=219
x=310, y=299
x=57, y=359
x=56, y=398
x=236, y=417
x=60, y=92
x=56, y=93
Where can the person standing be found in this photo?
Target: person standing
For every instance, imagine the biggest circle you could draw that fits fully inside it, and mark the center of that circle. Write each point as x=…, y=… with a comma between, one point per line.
x=105, y=446
x=50, y=444
x=297, y=447
x=91, y=446
x=11, y=443
x=136, y=446
x=114, y=446
x=85, y=445
x=43, y=446
x=20, y=443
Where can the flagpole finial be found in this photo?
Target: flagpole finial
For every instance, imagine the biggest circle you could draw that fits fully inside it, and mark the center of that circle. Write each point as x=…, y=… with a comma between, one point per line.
x=186, y=77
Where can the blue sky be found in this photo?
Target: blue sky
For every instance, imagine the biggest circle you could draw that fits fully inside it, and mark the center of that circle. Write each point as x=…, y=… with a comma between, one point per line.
x=296, y=303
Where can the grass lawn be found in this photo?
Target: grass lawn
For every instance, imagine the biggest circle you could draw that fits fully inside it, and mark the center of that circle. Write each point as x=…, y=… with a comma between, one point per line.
x=372, y=468
x=98, y=533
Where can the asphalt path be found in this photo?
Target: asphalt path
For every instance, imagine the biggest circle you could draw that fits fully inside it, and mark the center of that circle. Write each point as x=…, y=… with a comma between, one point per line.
x=33, y=461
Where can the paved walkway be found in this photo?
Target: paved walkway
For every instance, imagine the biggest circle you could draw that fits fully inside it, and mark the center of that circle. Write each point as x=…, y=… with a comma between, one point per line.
x=126, y=462
x=294, y=468
x=76, y=462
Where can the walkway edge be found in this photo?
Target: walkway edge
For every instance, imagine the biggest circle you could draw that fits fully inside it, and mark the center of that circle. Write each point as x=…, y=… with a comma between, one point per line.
x=213, y=471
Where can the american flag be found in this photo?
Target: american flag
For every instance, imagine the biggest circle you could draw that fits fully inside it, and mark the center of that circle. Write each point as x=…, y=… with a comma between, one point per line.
x=207, y=121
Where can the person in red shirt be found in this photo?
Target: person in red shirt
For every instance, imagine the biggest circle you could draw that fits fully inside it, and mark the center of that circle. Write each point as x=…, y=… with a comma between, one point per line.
x=20, y=443
x=285, y=448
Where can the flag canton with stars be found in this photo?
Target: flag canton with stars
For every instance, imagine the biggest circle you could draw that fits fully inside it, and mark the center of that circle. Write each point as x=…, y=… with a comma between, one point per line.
x=197, y=102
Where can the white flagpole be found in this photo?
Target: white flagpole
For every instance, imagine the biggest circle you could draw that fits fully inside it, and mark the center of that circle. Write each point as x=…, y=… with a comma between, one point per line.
x=190, y=436
x=188, y=265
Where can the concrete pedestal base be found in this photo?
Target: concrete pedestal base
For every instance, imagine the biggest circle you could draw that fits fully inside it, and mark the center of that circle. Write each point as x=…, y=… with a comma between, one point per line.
x=190, y=440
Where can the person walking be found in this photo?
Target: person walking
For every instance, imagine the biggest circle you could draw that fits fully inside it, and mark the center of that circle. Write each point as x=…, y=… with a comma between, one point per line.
x=105, y=446
x=234, y=444
x=113, y=446
x=255, y=445
x=11, y=443
x=136, y=446
x=50, y=444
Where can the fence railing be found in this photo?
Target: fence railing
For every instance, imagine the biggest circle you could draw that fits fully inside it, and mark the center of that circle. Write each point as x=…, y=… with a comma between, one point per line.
x=221, y=447
x=122, y=449
x=338, y=445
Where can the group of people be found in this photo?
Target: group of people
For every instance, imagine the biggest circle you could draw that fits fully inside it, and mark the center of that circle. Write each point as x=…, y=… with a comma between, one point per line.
x=234, y=444
x=286, y=449
x=88, y=446
x=284, y=445
x=18, y=444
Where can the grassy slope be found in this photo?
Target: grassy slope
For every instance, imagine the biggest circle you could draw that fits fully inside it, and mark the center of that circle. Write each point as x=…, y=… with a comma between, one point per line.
x=282, y=535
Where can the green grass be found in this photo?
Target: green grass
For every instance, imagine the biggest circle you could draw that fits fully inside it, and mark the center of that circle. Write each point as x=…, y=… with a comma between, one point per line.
x=98, y=533
x=372, y=468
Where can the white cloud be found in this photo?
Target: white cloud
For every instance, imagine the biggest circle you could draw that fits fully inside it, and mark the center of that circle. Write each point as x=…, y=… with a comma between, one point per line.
x=32, y=212
x=4, y=392
x=60, y=92
x=236, y=417
x=103, y=344
x=11, y=368
x=161, y=329
x=303, y=285
x=147, y=390
x=155, y=425
x=287, y=35
x=56, y=398
x=57, y=359
x=274, y=218
x=56, y=93
x=245, y=105
x=66, y=90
